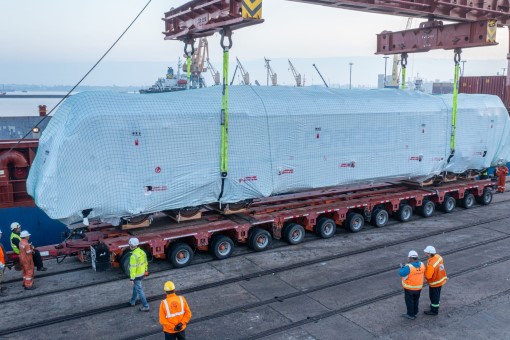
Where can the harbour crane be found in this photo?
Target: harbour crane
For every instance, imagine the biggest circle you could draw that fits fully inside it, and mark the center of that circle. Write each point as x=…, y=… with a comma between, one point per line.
x=214, y=73
x=297, y=76
x=198, y=60
x=395, y=72
x=244, y=75
x=320, y=75
x=270, y=73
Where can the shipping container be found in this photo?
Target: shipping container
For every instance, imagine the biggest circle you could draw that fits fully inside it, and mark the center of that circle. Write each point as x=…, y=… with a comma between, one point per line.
x=495, y=85
x=442, y=88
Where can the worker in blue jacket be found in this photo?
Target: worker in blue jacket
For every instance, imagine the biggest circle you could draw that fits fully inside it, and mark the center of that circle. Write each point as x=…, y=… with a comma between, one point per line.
x=412, y=274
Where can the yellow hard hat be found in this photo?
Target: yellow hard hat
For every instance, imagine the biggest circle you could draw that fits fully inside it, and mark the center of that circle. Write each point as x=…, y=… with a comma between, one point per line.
x=169, y=286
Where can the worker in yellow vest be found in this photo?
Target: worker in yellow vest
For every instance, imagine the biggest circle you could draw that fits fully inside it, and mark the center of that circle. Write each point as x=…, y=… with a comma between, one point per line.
x=16, y=239
x=138, y=269
x=435, y=274
x=174, y=313
x=412, y=274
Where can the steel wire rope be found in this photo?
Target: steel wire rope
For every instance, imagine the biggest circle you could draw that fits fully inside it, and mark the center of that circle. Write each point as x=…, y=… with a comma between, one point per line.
x=79, y=82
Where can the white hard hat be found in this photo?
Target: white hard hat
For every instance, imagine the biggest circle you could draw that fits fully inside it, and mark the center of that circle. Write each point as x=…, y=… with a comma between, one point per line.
x=412, y=253
x=430, y=250
x=15, y=225
x=24, y=233
x=134, y=242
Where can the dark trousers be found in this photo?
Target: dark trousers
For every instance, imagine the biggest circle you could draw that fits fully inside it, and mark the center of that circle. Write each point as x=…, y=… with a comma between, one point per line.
x=412, y=298
x=175, y=336
x=37, y=259
x=435, y=295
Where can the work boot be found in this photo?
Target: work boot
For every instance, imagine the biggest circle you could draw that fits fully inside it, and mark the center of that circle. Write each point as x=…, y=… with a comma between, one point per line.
x=131, y=304
x=429, y=312
x=42, y=269
x=408, y=317
x=145, y=309
x=30, y=288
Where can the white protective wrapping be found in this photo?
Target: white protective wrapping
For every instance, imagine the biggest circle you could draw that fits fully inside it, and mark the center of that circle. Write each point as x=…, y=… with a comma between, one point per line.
x=128, y=154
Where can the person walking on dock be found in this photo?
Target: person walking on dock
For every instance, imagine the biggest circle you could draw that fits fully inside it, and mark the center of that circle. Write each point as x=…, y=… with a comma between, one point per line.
x=436, y=278
x=501, y=173
x=174, y=313
x=26, y=259
x=2, y=268
x=16, y=239
x=412, y=274
x=138, y=269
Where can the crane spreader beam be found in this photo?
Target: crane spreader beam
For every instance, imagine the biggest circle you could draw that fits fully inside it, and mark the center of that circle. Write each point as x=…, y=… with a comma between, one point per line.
x=452, y=10
x=200, y=18
x=434, y=35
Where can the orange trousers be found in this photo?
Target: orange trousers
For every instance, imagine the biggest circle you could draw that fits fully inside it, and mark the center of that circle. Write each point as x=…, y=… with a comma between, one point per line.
x=501, y=183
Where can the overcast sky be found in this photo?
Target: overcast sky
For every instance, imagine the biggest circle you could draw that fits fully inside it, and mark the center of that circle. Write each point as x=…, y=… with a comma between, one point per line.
x=56, y=41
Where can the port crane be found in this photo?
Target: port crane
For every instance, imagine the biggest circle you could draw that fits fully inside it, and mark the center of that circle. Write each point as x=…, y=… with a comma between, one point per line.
x=197, y=66
x=297, y=76
x=244, y=75
x=214, y=73
x=270, y=73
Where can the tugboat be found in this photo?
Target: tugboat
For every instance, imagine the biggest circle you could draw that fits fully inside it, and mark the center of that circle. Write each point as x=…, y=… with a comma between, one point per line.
x=170, y=83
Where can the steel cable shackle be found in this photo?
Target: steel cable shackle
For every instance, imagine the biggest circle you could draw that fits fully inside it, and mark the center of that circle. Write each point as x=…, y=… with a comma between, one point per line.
x=188, y=53
x=225, y=33
x=403, y=62
x=457, y=59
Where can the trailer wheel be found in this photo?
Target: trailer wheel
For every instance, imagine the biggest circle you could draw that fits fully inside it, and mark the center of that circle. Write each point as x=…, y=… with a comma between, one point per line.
x=221, y=246
x=468, y=201
x=448, y=204
x=325, y=227
x=355, y=222
x=379, y=218
x=404, y=213
x=427, y=208
x=124, y=262
x=180, y=255
x=294, y=233
x=259, y=240
x=485, y=198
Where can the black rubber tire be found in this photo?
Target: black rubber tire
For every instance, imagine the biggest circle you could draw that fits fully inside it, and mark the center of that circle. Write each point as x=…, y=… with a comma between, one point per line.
x=294, y=233
x=404, y=213
x=124, y=262
x=325, y=227
x=221, y=246
x=448, y=204
x=354, y=222
x=180, y=255
x=468, y=201
x=427, y=208
x=259, y=239
x=379, y=218
x=485, y=198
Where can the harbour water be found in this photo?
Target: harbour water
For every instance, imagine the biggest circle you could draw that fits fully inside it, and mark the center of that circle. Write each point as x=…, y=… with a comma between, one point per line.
x=19, y=106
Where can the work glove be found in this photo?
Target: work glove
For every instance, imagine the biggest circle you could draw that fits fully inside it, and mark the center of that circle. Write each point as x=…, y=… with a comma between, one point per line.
x=402, y=265
x=178, y=327
x=146, y=273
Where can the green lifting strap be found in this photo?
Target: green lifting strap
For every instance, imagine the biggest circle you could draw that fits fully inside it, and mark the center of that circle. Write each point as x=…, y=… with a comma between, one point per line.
x=454, y=106
x=188, y=73
x=224, y=117
x=404, y=77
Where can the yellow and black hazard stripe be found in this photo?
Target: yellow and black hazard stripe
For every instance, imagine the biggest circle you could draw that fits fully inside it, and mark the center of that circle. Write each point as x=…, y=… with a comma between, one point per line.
x=491, y=31
x=252, y=9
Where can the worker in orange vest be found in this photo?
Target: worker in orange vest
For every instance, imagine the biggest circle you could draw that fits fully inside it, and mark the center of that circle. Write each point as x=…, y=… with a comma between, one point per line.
x=412, y=281
x=436, y=278
x=174, y=313
x=501, y=173
x=2, y=268
x=26, y=259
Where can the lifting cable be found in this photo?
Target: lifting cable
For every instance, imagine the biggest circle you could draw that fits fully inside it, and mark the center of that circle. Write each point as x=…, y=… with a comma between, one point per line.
x=226, y=32
x=456, y=59
x=79, y=82
x=404, y=67
x=188, y=53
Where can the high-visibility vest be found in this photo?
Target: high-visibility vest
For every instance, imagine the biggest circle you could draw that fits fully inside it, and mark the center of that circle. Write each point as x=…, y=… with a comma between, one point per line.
x=15, y=249
x=138, y=264
x=435, y=272
x=172, y=311
x=2, y=257
x=414, y=280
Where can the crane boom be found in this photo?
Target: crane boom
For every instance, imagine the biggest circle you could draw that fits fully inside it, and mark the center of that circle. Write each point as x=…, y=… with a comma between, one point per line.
x=245, y=75
x=214, y=73
x=320, y=75
x=297, y=76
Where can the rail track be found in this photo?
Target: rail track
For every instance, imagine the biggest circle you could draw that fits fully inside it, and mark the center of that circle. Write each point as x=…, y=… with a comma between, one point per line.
x=116, y=307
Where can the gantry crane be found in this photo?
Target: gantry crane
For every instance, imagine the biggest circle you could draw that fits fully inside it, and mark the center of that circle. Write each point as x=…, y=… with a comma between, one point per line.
x=297, y=76
x=270, y=73
x=214, y=73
